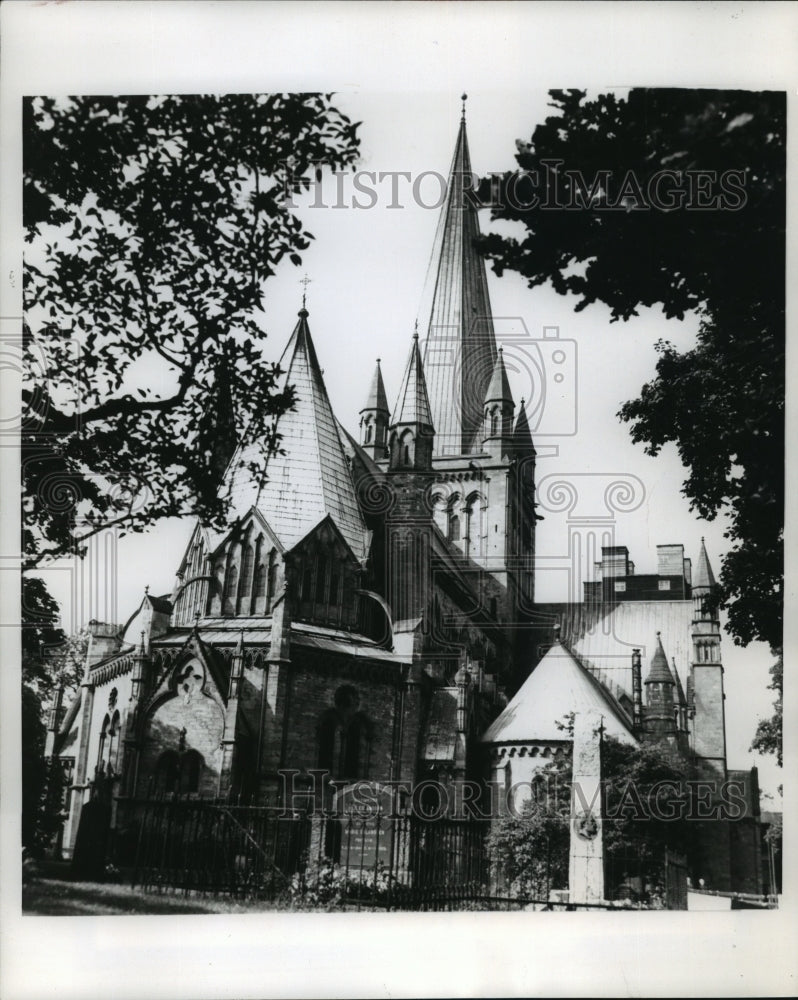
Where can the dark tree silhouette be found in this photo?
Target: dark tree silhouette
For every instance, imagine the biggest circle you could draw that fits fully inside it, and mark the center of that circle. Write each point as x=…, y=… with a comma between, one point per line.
x=152, y=226
x=677, y=197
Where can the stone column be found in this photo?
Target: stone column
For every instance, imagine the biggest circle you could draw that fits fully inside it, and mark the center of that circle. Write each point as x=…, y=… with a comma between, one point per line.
x=586, y=860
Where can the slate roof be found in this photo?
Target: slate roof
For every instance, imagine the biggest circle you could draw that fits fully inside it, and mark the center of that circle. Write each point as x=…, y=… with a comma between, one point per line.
x=603, y=635
x=460, y=347
x=557, y=686
x=310, y=477
x=412, y=403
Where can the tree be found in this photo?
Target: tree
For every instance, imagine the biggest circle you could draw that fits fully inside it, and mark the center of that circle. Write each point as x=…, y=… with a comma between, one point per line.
x=768, y=736
x=41, y=634
x=643, y=804
x=153, y=224
x=677, y=198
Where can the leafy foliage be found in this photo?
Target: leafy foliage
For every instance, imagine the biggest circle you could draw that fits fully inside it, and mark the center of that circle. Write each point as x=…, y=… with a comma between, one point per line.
x=641, y=785
x=721, y=403
x=768, y=736
x=153, y=224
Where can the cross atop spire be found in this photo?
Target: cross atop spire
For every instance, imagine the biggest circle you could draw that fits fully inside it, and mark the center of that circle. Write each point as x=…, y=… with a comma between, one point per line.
x=463, y=98
x=305, y=282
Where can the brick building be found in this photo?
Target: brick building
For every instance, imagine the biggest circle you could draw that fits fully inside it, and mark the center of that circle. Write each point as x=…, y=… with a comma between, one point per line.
x=369, y=600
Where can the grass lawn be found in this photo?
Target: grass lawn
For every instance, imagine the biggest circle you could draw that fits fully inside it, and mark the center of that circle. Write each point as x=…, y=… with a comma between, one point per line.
x=63, y=897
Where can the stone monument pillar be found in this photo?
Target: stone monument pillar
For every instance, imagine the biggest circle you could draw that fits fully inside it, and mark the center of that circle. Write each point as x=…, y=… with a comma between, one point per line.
x=586, y=860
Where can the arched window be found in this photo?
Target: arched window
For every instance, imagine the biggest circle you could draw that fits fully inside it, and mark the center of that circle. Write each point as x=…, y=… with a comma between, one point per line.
x=452, y=519
x=321, y=578
x=335, y=580
x=103, y=740
x=406, y=449
x=356, y=749
x=272, y=580
x=167, y=771
x=494, y=422
x=469, y=520
x=230, y=585
x=113, y=743
x=190, y=768
x=307, y=582
x=247, y=567
x=369, y=431
x=259, y=584
x=330, y=742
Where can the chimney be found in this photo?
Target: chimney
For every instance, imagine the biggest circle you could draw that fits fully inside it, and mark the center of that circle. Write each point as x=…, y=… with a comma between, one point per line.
x=670, y=560
x=637, y=691
x=614, y=561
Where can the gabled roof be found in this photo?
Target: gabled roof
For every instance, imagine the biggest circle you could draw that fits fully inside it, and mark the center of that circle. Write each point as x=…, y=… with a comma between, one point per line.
x=412, y=403
x=309, y=477
x=557, y=686
x=460, y=348
x=377, y=399
x=704, y=578
x=499, y=388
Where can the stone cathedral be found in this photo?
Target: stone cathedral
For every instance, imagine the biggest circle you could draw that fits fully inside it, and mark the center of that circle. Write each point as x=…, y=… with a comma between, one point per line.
x=371, y=604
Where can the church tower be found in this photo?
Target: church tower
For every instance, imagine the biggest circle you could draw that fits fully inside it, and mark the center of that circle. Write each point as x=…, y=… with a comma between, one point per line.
x=374, y=418
x=483, y=491
x=709, y=724
x=409, y=522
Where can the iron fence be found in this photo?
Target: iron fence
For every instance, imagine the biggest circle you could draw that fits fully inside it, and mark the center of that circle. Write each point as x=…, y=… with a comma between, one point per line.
x=369, y=860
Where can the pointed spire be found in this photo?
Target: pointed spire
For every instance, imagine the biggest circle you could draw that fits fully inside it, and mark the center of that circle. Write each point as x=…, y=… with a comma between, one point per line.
x=522, y=433
x=460, y=348
x=377, y=399
x=704, y=578
x=412, y=403
x=499, y=388
x=659, y=672
x=309, y=477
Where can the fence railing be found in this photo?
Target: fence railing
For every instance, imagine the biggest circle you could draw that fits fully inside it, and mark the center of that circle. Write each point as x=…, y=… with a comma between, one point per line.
x=356, y=859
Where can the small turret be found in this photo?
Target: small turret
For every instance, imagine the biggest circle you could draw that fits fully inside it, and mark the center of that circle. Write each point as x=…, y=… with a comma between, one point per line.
x=412, y=433
x=522, y=435
x=374, y=418
x=498, y=409
x=660, y=717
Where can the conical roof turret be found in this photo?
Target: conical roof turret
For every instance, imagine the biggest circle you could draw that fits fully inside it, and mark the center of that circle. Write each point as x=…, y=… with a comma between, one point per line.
x=412, y=403
x=704, y=578
x=308, y=478
x=659, y=672
x=499, y=387
x=377, y=398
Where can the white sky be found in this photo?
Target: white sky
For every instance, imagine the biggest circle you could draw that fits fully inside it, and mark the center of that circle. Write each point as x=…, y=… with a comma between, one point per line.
x=400, y=69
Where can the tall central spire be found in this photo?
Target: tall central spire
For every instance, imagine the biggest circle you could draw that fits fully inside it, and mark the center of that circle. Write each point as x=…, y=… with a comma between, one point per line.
x=460, y=347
